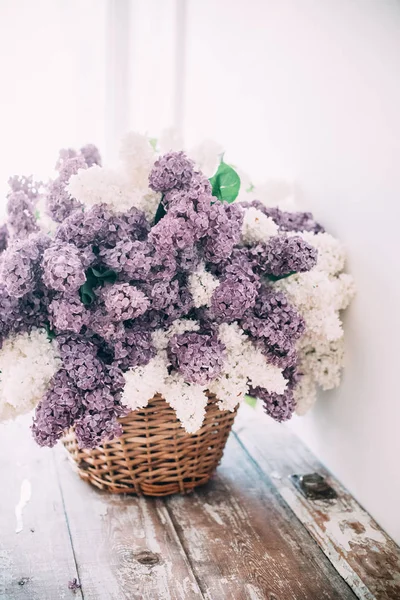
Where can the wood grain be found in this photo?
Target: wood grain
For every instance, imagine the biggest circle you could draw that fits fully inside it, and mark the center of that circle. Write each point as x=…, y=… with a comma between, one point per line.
x=364, y=555
x=126, y=547
x=243, y=542
x=37, y=563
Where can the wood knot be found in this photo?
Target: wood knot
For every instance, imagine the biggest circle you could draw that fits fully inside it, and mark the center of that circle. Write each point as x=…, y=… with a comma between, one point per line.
x=147, y=558
x=24, y=580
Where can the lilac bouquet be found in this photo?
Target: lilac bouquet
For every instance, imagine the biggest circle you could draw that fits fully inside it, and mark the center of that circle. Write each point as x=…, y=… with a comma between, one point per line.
x=117, y=284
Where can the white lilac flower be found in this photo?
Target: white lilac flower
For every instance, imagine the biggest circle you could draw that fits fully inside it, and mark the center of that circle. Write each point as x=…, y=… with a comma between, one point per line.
x=305, y=394
x=138, y=156
x=345, y=290
x=161, y=337
x=187, y=399
x=244, y=365
x=100, y=185
x=202, y=285
x=331, y=252
x=28, y=361
x=143, y=382
x=257, y=227
x=324, y=360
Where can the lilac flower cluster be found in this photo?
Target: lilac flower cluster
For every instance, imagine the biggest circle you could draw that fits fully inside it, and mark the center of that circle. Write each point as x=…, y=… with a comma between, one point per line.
x=172, y=171
x=198, y=357
x=108, y=281
x=31, y=188
x=21, y=264
x=21, y=220
x=275, y=326
x=283, y=255
x=279, y=406
x=288, y=221
x=60, y=204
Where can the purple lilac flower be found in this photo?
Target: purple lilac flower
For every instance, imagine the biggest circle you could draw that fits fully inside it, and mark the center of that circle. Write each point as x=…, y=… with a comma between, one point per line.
x=33, y=310
x=188, y=259
x=3, y=237
x=114, y=378
x=133, y=349
x=288, y=221
x=8, y=310
x=57, y=410
x=21, y=220
x=59, y=202
x=179, y=308
x=225, y=223
x=27, y=185
x=162, y=293
x=278, y=406
x=276, y=325
x=96, y=427
x=67, y=313
x=198, y=187
x=63, y=270
x=91, y=154
x=198, y=357
x=64, y=155
x=194, y=211
x=164, y=267
x=101, y=227
x=232, y=298
x=124, y=301
x=20, y=270
x=283, y=255
x=80, y=361
x=101, y=325
x=173, y=170
x=130, y=257
x=171, y=234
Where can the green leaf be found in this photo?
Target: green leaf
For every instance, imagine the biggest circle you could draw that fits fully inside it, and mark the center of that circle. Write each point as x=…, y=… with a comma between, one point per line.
x=108, y=275
x=95, y=278
x=250, y=401
x=50, y=333
x=225, y=183
x=86, y=293
x=161, y=212
x=153, y=143
x=278, y=277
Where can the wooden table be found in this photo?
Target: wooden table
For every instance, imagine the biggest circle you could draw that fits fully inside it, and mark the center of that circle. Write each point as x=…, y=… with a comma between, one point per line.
x=248, y=535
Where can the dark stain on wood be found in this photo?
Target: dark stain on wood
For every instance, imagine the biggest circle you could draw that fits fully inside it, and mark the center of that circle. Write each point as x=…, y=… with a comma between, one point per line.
x=314, y=487
x=149, y=559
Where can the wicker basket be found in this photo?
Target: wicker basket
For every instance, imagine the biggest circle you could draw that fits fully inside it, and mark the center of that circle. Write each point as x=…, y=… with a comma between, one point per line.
x=155, y=456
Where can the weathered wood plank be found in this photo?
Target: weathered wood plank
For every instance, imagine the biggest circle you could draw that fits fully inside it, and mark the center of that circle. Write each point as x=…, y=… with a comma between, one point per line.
x=125, y=547
x=360, y=551
x=37, y=562
x=244, y=543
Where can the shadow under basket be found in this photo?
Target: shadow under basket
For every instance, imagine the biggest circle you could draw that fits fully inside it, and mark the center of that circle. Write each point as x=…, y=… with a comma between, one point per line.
x=155, y=456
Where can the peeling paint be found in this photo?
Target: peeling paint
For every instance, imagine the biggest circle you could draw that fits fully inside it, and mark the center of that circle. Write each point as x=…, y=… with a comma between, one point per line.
x=25, y=496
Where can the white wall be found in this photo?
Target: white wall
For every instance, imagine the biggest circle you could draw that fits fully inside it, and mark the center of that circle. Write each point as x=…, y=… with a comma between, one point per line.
x=52, y=74
x=311, y=89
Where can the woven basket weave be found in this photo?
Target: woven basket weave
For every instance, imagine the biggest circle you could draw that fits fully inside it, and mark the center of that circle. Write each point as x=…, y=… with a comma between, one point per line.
x=155, y=456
